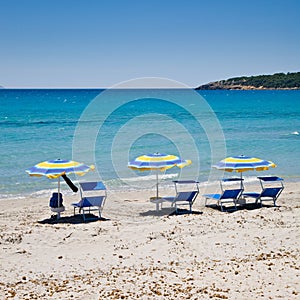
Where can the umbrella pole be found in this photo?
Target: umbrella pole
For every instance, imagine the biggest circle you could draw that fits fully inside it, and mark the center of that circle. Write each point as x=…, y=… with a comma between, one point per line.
x=58, y=197
x=242, y=186
x=156, y=184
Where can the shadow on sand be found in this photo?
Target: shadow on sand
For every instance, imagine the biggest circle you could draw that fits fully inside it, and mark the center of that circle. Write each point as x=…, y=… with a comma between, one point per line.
x=169, y=211
x=75, y=219
x=248, y=206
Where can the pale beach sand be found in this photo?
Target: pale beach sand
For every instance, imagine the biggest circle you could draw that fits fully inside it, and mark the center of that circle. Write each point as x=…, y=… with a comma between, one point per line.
x=138, y=254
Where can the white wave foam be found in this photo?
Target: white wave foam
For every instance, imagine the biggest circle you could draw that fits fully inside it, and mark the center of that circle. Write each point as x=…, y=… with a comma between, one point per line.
x=149, y=177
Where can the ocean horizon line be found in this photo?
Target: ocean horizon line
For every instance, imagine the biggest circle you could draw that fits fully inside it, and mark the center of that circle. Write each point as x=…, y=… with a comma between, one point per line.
x=95, y=88
x=144, y=88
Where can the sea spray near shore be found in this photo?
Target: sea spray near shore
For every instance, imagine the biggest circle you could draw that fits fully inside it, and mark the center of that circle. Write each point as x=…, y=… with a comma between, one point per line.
x=38, y=125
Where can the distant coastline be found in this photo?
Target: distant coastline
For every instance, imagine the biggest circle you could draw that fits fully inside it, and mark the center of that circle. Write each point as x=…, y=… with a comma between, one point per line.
x=278, y=81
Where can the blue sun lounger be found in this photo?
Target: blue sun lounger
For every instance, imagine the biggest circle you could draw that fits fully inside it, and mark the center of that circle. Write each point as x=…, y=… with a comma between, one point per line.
x=268, y=193
x=228, y=195
x=183, y=197
x=93, y=196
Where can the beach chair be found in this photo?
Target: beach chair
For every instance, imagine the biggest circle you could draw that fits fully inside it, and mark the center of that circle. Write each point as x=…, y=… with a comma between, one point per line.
x=186, y=194
x=272, y=186
x=228, y=195
x=93, y=196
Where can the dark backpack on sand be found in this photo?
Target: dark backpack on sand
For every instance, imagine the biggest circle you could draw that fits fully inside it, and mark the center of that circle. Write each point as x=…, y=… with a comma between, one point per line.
x=54, y=200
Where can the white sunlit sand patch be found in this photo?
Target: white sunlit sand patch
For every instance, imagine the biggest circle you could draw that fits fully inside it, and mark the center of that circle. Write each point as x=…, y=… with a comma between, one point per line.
x=137, y=253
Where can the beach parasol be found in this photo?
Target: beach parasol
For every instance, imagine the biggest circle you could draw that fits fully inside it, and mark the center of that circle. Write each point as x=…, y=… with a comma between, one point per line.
x=57, y=168
x=243, y=163
x=158, y=162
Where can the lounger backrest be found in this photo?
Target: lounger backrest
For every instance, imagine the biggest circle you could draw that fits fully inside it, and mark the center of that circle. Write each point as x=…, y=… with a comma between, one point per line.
x=231, y=194
x=186, y=196
x=271, y=192
x=92, y=186
x=270, y=178
x=92, y=194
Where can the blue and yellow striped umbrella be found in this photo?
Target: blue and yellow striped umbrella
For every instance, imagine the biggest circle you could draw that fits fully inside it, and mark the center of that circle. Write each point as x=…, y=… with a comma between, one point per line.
x=58, y=167
x=158, y=162
x=244, y=163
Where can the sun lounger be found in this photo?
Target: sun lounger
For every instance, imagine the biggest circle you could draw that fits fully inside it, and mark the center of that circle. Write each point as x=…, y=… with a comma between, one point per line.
x=268, y=193
x=228, y=195
x=183, y=197
x=93, y=196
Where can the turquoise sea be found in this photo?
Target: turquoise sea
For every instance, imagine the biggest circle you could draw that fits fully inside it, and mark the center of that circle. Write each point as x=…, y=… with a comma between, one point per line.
x=109, y=128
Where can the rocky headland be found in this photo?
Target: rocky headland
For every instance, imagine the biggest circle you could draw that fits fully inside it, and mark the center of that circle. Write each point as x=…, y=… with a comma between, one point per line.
x=278, y=81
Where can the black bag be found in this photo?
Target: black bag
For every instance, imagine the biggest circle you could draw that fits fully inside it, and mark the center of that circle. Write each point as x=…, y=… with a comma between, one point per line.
x=72, y=186
x=54, y=200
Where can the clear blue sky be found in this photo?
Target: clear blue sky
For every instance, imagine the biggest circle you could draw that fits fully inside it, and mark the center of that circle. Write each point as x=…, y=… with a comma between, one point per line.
x=69, y=43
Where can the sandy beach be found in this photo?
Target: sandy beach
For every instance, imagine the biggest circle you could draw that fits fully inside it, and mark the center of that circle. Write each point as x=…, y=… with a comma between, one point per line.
x=137, y=253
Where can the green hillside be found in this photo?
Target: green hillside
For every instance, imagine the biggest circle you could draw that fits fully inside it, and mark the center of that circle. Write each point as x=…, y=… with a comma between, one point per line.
x=275, y=81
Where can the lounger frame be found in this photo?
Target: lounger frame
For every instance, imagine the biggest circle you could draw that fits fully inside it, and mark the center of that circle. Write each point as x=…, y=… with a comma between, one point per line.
x=93, y=196
x=183, y=197
x=268, y=193
x=228, y=195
